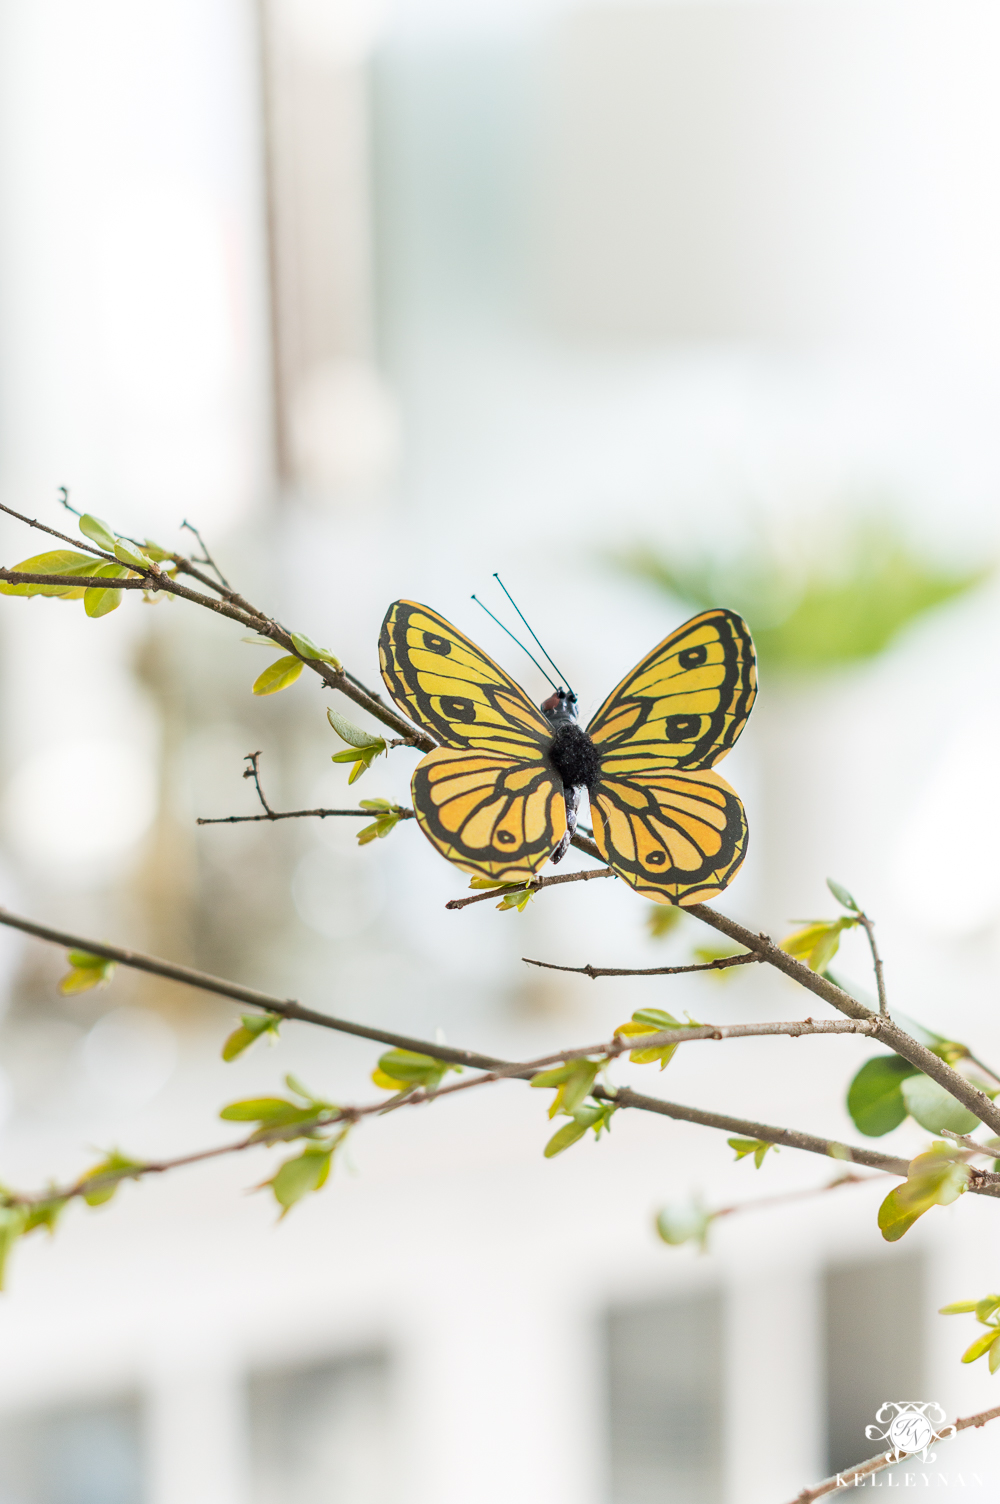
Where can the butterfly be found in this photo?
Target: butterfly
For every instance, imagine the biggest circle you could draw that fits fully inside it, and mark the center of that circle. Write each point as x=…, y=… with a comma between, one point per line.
x=499, y=796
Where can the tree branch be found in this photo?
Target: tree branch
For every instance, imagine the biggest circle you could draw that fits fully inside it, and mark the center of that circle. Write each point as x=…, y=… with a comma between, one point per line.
x=532, y=883
x=721, y=963
x=863, y=1470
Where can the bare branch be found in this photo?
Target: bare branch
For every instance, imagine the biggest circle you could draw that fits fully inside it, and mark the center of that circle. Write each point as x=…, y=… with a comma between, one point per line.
x=401, y=813
x=853, y=1476
x=721, y=963
x=206, y=557
x=253, y=771
x=869, y=928
x=532, y=883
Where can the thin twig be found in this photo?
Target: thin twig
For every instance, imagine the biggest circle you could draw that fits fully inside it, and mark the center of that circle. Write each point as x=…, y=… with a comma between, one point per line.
x=970, y=1143
x=253, y=771
x=533, y=883
x=298, y=814
x=721, y=963
x=206, y=556
x=764, y=1203
x=869, y=928
x=852, y=1476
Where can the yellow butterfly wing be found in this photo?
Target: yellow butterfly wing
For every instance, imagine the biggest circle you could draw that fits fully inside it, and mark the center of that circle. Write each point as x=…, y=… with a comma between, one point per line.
x=488, y=799
x=668, y=825
x=437, y=676
x=489, y=813
x=676, y=836
x=687, y=701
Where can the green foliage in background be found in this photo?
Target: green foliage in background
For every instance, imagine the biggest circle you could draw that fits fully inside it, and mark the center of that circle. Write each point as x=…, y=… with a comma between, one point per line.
x=840, y=601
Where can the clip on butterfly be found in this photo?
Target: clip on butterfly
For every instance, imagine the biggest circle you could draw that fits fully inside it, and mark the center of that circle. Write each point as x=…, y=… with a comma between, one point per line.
x=499, y=797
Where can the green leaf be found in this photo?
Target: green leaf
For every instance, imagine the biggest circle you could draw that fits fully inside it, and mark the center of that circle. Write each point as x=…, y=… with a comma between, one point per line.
x=959, y=1308
x=841, y=895
x=133, y=557
x=646, y=1021
x=388, y=818
x=399, y=1070
x=60, y=561
x=680, y=1223
x=663, y=920
x=982, y=1345
x=85, y=958
x=986, y=1307
x=352, y=734
x=43, y=1214
x=117, y=1166
x=518, y=899
x=875, y=1098
x=260, y=641
x=98, y=532
x=758, y=1147
x=308, y=649
x=88, y=972
x=270, y=1112
x=294, y=1084
x=573, y=1080
x=818, y=942
x=252, y=1026
x=995, y=1354
x=278, y=675
x=300, y=1176
x=934, y=1108
x=936, y=1178
x=590, y=1116
x=12, y=1225
x=100, y=602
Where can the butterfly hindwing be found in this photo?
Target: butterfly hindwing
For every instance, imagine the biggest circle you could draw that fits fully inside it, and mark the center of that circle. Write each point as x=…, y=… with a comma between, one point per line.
x=676, y=836
x=686, y=702
x=437, y=676
x=488, y=812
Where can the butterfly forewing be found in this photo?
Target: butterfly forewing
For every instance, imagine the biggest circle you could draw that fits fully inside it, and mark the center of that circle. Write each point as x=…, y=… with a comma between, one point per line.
x=447, y=684
x=488, y=799
x=671, y=827
x=686, y=702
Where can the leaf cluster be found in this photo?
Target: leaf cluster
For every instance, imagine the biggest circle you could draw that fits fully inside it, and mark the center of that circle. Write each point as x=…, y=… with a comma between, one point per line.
x=302, y=1115
x=987, y=1312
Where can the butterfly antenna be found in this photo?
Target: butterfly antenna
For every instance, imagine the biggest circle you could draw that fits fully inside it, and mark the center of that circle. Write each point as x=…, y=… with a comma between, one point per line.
x=515, y=639
x=559, y=672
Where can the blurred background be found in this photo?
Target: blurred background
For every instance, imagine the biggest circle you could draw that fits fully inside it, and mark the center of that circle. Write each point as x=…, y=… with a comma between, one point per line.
x=645, y=307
